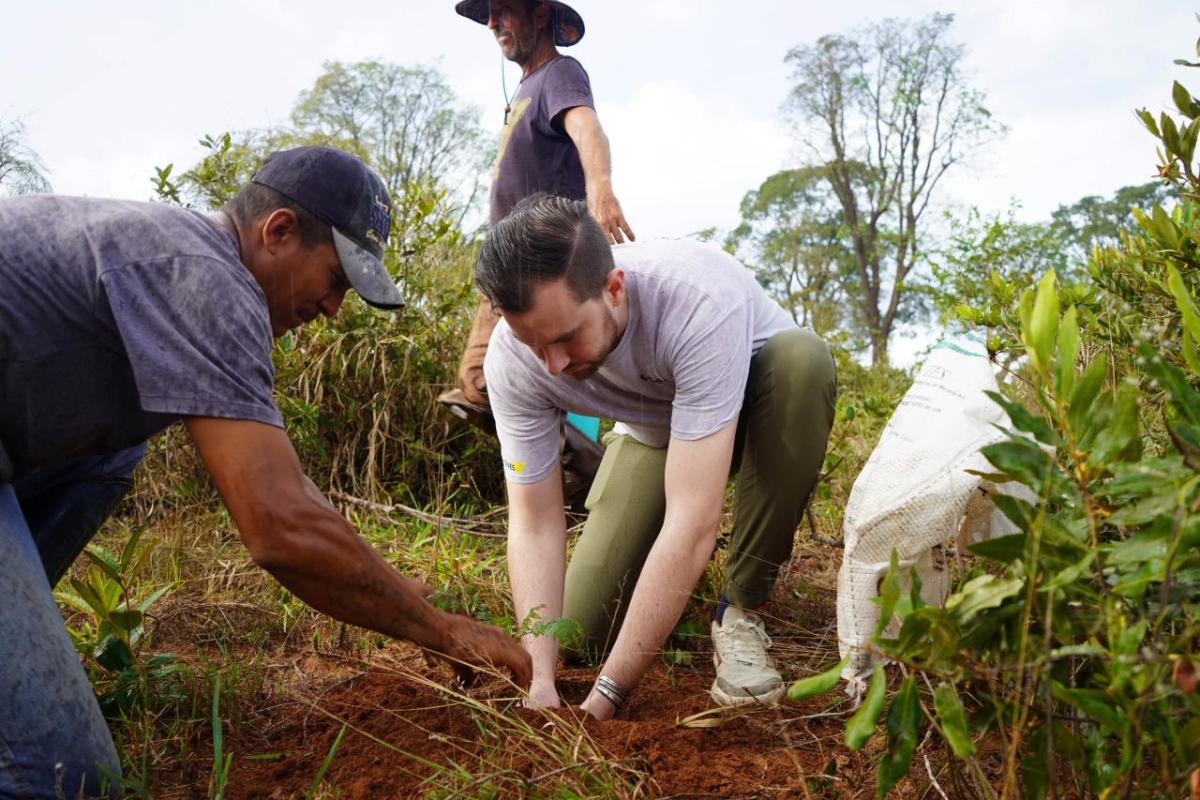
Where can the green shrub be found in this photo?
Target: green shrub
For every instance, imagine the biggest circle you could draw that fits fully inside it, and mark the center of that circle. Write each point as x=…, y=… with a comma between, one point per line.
x=1070, y=643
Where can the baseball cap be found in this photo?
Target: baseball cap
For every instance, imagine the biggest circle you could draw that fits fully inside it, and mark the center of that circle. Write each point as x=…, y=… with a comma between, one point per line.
x=342, y=191
x=567, y=24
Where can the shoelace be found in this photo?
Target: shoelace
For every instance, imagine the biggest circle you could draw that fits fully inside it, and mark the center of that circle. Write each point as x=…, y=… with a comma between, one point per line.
x=743, y=648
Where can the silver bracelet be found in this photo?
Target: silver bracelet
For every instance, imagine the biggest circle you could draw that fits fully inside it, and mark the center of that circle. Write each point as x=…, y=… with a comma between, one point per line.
x=611, y=691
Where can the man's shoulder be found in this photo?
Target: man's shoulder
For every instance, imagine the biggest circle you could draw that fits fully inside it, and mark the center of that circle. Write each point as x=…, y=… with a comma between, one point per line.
x=162, y=232
x=58, y=210
x=563, y=72
x=702, y=267
x=561, y=65
x=114, y=233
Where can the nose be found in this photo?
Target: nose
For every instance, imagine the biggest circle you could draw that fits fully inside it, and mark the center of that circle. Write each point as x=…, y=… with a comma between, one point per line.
x=493, y=16
x=332, y=302
x=556, y=359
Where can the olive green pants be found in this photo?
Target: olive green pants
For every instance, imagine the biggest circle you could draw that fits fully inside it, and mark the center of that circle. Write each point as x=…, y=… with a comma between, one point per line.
x=780, y=444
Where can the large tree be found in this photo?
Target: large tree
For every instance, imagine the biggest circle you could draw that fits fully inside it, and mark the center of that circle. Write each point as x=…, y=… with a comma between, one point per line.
x=791, y=233
x=405, y=122
x=886, y=111
x=21, y=171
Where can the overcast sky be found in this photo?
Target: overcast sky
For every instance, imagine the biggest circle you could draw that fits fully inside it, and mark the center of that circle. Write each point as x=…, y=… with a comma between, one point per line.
x=688, y=90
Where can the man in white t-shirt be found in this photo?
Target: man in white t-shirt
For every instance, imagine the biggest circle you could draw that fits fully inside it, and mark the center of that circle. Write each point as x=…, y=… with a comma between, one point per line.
x=705, y=375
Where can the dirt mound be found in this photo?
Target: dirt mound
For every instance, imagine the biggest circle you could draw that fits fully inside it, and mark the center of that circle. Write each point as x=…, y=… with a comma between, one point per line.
x=405, y=736
x=404, y=733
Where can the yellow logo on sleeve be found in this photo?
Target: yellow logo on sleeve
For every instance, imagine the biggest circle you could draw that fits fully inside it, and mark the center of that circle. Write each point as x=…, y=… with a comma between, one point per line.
x=515, y=466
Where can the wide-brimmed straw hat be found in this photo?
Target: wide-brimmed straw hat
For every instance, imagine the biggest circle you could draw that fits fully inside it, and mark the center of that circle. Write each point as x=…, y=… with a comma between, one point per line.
x=568, y=25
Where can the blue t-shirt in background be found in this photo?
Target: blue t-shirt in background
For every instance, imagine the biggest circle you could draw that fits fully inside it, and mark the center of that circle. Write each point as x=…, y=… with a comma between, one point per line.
x=116, y=319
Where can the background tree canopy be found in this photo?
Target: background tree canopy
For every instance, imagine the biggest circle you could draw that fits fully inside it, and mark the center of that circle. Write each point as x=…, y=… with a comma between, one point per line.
x=21, y=171
x=886, y=112
x=793, y=231
x=405, y=122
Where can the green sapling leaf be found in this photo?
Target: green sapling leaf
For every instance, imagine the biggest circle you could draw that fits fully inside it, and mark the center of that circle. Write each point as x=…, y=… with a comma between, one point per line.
x=862, y=724
x=903, y=719
x=1043, y=323
x=817, y=684
x=950, y=713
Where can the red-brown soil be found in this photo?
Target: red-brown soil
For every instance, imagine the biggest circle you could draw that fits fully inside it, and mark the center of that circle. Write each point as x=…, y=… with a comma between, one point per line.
x=406, y=735
x=765, y=753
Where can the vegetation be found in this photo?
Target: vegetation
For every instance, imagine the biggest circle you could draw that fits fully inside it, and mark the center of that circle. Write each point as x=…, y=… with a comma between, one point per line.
x=883, y=114
x=21, y=170
x=1071, y=642
x=1062, y=663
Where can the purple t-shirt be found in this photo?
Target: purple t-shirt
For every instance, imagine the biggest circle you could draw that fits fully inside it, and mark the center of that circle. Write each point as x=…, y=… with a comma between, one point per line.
x=116, y=319
x=536, y=154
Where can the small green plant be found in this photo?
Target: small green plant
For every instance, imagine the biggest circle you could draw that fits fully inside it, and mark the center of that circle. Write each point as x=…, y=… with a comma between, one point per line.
x=222, y=761
x=324, y=768
x=568, y=632
x=109, y=629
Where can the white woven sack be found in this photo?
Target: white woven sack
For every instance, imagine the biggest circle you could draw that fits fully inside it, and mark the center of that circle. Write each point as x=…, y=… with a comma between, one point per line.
x=915, y=492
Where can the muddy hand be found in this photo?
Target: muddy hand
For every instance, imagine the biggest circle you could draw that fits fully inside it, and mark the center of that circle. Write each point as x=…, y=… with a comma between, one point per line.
x=474, y=645
x=542, y=695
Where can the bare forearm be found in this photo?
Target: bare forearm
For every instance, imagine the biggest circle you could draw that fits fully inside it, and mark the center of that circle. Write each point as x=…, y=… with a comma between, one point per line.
x=583, y=126
x=293, y=532
x=668, y=578
x=596, y=160
x=328, y=566
x=536, y=565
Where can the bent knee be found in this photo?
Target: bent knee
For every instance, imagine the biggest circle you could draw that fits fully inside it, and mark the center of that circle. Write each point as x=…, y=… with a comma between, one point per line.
x=802, y=360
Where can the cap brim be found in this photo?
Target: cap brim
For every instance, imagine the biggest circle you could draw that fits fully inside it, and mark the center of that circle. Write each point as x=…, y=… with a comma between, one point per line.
x=366, y=274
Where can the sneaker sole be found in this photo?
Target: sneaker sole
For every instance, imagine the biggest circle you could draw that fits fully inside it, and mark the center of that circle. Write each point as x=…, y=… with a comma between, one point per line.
x=770, y=699
x=721, y=698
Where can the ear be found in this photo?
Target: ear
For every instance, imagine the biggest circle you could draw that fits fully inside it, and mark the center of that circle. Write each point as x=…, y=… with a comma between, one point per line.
x=278, y=228
x=614, y=287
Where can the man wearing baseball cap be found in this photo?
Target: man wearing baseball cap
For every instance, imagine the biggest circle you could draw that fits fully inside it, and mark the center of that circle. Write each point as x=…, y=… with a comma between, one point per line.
x=118, y=319
x=552, y=142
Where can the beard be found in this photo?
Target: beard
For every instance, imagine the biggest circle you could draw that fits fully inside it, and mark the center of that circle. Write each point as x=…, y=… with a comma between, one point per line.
x=582, y=370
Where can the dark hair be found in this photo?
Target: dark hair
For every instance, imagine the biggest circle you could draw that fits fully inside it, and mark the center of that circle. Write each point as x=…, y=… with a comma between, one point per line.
x=255, y=201
x=544, y=238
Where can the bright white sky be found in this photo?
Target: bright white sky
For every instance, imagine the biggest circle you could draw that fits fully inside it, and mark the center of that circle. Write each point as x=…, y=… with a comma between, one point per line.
x=688, y=90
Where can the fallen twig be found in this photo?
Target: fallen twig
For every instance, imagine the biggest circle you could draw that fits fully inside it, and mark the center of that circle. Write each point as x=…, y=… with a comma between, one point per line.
x=476, y=525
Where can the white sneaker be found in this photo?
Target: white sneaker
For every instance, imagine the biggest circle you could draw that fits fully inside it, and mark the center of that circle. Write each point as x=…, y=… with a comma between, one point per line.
x=745, y=674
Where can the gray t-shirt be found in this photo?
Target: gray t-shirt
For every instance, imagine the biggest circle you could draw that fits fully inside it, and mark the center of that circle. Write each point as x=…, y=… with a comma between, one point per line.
x=696, y=316
x=536, y=154
x=116, y=319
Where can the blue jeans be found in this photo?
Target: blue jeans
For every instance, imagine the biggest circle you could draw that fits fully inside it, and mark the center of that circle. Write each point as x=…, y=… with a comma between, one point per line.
x=53, y=739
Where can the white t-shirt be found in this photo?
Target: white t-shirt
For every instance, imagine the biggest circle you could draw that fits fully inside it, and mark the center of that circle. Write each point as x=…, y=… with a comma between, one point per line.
x=696, y=316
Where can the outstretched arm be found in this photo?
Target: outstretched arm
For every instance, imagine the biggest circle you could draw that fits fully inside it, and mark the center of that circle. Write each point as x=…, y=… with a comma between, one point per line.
x=293, y=532
x=696, y=474
x=537, y=535
x=583, y=126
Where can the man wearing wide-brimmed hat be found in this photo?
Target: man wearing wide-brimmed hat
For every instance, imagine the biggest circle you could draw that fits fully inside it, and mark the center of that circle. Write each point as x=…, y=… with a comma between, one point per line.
x=552, y=142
